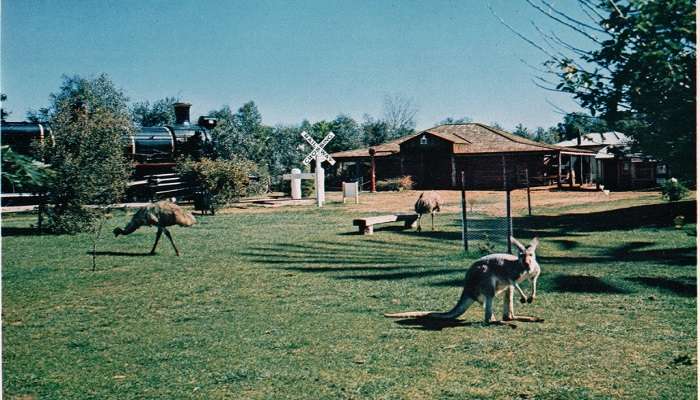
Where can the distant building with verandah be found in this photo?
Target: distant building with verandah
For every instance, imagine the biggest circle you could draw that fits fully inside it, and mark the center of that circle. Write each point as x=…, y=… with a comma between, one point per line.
x=435, y=157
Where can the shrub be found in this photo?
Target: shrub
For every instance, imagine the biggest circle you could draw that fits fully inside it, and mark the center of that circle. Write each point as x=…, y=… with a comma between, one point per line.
x=89, y=118
x=396, y=184
x=226, y=180
x=673, y=190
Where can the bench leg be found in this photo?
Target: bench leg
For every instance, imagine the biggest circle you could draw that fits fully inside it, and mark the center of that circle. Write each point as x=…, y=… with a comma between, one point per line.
x=367, y=230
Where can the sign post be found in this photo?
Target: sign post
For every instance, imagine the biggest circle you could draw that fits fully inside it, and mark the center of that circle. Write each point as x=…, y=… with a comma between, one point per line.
x=296, y=176
x=320, y=155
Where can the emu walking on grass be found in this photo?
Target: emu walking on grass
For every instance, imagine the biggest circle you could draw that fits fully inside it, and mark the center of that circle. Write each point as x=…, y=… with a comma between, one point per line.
x=428, y=202
x=161, y=215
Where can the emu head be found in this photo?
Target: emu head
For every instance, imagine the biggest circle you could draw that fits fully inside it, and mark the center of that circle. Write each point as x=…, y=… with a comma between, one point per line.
x=527, y=256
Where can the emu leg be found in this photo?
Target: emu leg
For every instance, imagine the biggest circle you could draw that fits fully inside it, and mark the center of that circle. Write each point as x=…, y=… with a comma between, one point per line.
x=419, y=217
x=432, y=221
x=160, y=232
x=167, y=233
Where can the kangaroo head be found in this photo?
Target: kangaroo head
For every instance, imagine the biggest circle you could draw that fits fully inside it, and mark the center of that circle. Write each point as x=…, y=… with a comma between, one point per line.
x=527, y=256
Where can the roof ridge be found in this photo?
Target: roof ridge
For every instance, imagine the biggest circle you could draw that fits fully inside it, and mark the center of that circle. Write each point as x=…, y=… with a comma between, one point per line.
x=520, y=139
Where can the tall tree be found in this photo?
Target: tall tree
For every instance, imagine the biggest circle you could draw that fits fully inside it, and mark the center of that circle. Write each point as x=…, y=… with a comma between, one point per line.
x=89, y=118
x=399, y=115
x=639, y=64
x=348, y=134
x=253, y=136
x=161, y=112
x=374, y=131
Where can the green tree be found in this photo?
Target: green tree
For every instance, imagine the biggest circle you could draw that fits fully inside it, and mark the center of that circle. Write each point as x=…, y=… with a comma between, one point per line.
x=3, y=113
x=549, y=135
x=374, y=131
x=450, y=120
x=22, y=173
x=578, y=123
x=348, y=134
x=161, y=112
x=522, y=131
x=89, y=118
x=638, y=65
x=241, y=134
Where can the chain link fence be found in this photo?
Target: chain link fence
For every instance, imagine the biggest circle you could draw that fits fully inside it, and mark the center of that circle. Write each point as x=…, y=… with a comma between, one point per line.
x=489, y=224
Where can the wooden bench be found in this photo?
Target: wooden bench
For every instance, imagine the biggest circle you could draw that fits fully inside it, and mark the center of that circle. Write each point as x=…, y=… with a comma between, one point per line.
x=366, y=225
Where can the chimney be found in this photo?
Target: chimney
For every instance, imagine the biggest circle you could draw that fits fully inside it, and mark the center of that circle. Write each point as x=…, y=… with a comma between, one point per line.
x=182, y=113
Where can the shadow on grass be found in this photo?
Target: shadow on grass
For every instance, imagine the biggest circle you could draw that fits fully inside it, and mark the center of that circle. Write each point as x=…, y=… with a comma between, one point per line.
x=583, y=284
x=22, y=231
x=433, y=324
x=120, y=254
x=675, y=286
x=653, y=215
x=630, y=252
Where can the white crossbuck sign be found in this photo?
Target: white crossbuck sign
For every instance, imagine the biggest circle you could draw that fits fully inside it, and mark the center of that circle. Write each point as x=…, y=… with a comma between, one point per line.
x=320, y=155
x=317, y=148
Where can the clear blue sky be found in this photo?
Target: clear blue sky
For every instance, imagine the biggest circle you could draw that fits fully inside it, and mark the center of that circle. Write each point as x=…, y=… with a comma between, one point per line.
x=296, y=60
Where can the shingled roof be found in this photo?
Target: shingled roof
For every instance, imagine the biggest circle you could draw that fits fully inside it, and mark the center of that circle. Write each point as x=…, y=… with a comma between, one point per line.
x=471, y=138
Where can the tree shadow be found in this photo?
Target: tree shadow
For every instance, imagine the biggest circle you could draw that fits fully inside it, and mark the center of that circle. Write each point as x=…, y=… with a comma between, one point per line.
x=675, y=286
x=651, y=215
x=23, y=231
x=583, y=284
x=120, y=254
x=565, y=244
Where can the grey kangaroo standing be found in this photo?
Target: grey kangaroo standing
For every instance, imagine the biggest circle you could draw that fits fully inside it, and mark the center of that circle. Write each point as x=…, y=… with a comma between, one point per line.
x=489, y=276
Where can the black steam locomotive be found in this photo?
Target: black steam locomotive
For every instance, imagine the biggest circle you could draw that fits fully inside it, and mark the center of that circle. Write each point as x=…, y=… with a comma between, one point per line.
x=153, y=150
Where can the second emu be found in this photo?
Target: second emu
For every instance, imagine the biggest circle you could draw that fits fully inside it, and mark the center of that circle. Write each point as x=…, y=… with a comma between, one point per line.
x=428, y=203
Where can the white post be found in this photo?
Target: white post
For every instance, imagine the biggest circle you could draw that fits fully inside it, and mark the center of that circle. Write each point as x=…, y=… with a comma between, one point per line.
x=320, y=187
x=296, y=184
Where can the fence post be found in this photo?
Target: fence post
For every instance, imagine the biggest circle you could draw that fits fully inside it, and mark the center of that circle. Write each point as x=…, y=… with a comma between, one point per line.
x=464, y=217
x=509, y=221
x=506, y=188
x=527, y=182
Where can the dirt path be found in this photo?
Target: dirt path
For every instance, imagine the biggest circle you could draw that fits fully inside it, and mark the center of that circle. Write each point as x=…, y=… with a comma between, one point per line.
x=489, y=202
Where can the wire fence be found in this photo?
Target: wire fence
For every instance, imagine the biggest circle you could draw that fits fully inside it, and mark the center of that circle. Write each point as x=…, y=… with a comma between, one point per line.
x=488, y=226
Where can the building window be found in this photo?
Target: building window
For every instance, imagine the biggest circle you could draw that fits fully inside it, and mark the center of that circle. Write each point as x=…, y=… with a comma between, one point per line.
x=423, y=140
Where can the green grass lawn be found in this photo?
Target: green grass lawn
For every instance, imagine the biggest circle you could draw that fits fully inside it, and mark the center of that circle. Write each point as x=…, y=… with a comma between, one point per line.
x=289, y=304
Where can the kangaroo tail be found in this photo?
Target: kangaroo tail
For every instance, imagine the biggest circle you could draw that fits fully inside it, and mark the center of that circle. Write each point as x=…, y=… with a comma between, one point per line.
x=409, y=314
x=464, y=302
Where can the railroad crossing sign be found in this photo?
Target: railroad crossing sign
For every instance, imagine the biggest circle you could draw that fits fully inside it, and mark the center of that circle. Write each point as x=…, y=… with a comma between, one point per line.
x=317, y=148
x=320, y=156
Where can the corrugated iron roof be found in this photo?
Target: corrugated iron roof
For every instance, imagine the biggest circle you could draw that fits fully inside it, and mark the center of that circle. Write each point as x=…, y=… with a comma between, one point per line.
x=596, y=139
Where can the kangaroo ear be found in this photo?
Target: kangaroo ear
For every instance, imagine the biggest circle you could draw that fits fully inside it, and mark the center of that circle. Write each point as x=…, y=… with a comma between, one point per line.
x=534, y=243
x=517, y=244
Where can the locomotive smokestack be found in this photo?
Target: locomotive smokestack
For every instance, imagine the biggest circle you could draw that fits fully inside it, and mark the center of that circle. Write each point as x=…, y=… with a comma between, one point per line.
x=182, y=113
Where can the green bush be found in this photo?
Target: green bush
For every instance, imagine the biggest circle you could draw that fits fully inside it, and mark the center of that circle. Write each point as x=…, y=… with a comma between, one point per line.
x=673, y=190
x=226, y=180
x=89, y=118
